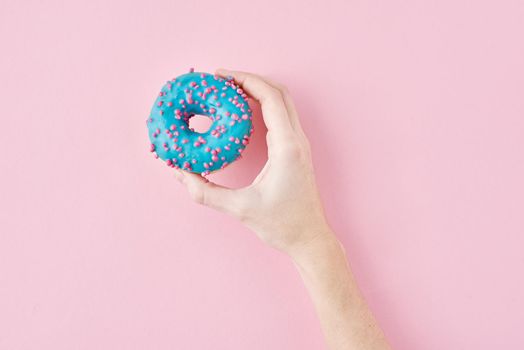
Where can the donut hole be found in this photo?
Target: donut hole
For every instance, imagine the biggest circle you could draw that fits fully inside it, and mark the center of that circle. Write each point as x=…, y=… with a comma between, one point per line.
x=200, y=123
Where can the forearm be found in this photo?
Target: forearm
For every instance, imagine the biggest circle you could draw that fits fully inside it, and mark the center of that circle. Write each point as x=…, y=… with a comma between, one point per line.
x=346, y=320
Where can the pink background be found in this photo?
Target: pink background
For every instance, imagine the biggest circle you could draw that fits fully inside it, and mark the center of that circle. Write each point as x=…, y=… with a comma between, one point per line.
x=415, y=112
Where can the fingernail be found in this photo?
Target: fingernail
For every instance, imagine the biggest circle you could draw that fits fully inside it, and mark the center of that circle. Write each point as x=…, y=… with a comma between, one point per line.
x=222, y=71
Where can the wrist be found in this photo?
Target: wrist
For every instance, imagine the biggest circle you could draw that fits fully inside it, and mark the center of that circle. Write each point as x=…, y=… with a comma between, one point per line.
x=321, y=242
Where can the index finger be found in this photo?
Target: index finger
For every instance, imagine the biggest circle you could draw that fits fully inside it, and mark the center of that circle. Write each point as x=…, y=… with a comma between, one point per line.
x=273, y=106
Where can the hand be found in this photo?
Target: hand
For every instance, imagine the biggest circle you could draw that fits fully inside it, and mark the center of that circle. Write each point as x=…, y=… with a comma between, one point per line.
x=283, y=208
x=282, y=205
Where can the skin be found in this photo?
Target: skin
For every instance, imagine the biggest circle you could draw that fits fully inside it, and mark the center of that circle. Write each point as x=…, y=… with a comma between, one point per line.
x=283, y=208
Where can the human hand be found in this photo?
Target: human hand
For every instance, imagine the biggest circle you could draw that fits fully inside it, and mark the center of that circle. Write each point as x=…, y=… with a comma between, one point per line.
x=282, y=205
x=283, y=208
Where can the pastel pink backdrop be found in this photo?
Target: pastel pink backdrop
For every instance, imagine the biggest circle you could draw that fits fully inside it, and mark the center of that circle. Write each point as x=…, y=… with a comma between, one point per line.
x=415, y=112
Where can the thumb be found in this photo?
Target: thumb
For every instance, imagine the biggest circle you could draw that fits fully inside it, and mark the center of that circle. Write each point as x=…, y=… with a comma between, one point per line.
x=202, y=191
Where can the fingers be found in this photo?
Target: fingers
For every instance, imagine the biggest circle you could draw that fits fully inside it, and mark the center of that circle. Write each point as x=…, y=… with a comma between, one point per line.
x=207, y=193
x=290, y=105
x=274, y=109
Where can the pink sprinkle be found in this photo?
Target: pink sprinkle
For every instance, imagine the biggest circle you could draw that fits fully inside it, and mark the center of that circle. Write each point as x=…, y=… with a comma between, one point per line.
x=231, y=138
x=196, y=144
x=245, y=116
x=184, y=141
x=181, y=155
x=212, y=110
x=206, y=166
x=191, y=70
x=169, y=162
x=207, y=149
x=172, y=127
x=160, y=103
x=214, y=158
x=152, y=149
x=169, y=104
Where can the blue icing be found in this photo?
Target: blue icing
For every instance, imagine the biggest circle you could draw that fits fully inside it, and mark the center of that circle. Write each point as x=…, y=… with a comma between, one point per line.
x=203, y=94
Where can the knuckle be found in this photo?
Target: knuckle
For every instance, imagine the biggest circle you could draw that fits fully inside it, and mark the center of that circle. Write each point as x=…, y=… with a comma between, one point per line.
x=284, y=89
x=273, y=93
x=197, y=195
x=292, y=150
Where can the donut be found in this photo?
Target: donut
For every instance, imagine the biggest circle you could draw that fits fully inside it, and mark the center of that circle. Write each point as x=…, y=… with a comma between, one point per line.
x=196, y=93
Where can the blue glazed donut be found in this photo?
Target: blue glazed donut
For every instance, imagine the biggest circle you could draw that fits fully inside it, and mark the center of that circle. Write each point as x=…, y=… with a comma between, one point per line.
x=220, y=99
